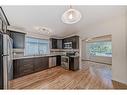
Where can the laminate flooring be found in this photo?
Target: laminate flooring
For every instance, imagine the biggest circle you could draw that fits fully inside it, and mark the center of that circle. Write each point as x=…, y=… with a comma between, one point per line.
x=91, y=76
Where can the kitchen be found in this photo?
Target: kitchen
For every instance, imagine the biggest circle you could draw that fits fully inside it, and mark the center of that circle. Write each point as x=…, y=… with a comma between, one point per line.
x=62, y=52
x=47, y=50
x=31, y=64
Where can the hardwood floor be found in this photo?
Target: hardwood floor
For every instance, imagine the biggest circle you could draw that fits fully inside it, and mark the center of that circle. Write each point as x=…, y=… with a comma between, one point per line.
x=91, y=76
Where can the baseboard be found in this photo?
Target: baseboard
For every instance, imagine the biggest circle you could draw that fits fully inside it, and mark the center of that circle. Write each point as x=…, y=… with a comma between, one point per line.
x=96, y=62
x=119, y=85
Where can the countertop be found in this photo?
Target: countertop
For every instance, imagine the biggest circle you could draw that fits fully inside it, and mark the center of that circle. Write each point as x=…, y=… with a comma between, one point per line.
x=74, y=56
x=35, y=56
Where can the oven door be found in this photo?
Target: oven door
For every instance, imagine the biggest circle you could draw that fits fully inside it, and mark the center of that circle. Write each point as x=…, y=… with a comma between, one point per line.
x=65, y=62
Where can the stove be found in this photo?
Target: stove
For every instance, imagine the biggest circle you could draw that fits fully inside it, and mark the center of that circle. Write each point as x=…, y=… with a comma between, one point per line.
x=65, y=62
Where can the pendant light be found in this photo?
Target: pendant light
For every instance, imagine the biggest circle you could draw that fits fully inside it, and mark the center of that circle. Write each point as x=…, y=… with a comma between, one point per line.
x=71, y=16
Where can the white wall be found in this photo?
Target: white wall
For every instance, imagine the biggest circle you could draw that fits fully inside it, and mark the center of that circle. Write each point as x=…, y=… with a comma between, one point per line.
x=117, y=28
x=28, y=33
x=119, y=42
x=36, y=35
x=101, y=59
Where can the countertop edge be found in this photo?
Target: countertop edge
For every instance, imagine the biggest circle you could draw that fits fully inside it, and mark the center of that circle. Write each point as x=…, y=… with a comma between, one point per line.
x=25, y=57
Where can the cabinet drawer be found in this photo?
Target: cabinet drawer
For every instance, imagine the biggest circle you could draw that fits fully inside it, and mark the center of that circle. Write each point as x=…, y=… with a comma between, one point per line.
x=26, y=66
x=38, y=69
x=27, y=63
x=26, y=71
x=41, y=64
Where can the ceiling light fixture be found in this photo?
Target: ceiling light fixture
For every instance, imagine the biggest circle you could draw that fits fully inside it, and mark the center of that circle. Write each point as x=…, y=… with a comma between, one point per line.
x=44, y=30
x=71, y=16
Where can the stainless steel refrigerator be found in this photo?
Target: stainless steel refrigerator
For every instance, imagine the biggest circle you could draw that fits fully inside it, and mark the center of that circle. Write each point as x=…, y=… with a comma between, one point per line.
x=6, y=65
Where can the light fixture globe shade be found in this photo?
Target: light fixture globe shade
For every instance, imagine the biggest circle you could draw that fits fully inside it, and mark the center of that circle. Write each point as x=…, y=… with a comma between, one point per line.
x=71, y=16
x=43, y=30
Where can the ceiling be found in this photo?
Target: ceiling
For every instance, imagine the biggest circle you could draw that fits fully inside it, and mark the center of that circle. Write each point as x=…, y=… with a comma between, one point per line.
x=29, y=17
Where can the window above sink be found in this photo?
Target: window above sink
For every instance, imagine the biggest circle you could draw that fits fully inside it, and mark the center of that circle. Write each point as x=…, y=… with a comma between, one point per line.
x=35, y=46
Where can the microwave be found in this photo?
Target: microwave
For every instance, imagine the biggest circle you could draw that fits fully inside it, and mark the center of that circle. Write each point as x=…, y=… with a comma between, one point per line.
x=68, y=45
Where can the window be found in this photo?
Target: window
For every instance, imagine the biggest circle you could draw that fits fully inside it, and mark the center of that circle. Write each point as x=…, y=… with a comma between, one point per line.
x=36, y=46
x=102, y=48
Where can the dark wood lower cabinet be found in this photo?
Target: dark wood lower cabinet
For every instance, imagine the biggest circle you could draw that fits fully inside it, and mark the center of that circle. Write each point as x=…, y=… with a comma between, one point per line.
x=16, y=71
x=41, y=64
x=27, y=66
x=74, y=63
x=58, y=60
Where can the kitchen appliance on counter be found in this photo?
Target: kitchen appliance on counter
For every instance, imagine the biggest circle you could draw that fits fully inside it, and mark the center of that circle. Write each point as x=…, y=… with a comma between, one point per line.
x=72, y=53
x=6, y=67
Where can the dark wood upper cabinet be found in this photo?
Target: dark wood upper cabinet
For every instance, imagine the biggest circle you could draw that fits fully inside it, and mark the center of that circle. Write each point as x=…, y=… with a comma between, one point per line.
x=74, y=40
x=53, y=43
x=56, y=43
x=18, y=39
x=59, y=43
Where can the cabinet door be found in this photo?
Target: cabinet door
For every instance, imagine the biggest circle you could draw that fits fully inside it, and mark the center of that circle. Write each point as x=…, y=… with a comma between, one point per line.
x=59, y=43
x=58, y=60
x=77, y=42
x=74, y=43
x=54, y=43
x=41, y=64
x=26, y=66
x=45, y=63
x=22, y=67
x=16, y=68
x=74, y=63
x=38, y=64
x=71, y=63
x=18, y=40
